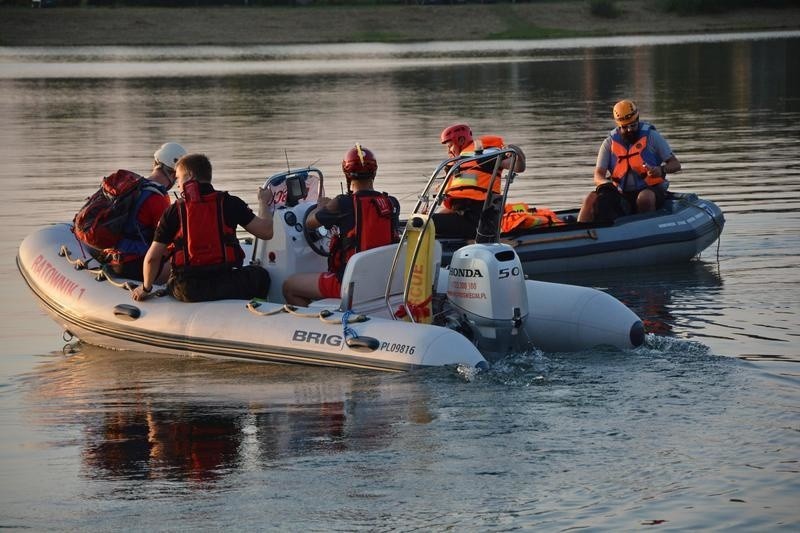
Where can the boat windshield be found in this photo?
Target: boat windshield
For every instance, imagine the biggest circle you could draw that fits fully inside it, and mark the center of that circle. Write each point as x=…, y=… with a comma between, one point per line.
x=291, y=186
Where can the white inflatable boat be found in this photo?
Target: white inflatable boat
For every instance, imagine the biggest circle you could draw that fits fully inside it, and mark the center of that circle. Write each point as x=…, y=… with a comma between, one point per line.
x=479, y=309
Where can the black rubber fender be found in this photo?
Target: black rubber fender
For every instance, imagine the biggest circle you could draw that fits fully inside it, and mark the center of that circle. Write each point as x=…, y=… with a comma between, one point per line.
x=127, y=311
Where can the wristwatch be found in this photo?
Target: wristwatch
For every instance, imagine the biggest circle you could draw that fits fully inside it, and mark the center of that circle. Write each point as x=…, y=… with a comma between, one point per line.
x=145, y=289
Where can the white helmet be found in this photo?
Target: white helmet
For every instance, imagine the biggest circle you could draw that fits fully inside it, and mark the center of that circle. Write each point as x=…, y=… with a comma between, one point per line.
x=168, y=154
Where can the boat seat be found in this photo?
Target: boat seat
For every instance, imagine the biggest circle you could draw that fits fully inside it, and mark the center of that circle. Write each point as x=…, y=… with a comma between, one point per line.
x=365, y=276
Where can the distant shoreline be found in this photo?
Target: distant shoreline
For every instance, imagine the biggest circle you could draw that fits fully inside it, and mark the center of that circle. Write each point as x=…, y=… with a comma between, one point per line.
x=393, y=23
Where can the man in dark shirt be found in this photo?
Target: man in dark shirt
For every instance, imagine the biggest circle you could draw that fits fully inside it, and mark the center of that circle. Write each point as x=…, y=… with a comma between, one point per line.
x=207, y=259
x=365, y=219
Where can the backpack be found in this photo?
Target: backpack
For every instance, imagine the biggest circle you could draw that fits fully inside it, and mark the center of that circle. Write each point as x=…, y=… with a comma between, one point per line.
x=101, y=221
x=609, y=205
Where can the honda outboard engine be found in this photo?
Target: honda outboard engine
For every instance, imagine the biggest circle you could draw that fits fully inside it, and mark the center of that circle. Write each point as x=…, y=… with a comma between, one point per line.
x=486, y=286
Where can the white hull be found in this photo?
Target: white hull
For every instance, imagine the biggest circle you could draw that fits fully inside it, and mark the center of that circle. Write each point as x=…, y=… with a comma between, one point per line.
x=561, y=318
x=86, y=308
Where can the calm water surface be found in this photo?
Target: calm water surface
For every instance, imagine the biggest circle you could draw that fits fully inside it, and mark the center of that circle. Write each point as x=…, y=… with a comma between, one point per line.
x=696, y=430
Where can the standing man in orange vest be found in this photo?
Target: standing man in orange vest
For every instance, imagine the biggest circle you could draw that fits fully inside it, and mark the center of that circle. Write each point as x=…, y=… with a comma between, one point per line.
x=631, y=171
x=467, y=191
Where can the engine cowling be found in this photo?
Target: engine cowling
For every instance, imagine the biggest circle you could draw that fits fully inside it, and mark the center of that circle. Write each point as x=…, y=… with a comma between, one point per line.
x=486, y=286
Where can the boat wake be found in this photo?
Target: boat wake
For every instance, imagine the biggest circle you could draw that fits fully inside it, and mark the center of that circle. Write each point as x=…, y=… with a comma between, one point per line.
x=658, y=344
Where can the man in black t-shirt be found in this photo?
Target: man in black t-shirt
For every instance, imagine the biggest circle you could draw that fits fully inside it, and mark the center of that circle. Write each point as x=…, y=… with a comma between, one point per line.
x=206, y=257
x=365, y=219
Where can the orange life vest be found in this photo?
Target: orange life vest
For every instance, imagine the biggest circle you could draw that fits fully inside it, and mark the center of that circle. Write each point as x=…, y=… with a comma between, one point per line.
x=520, y=216
x=374, y=225
x=631, y=157
x=204, y=243
x=472, y=181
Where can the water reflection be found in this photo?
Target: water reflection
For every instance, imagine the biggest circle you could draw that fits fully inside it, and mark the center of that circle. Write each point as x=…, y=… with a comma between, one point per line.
x=146, y=417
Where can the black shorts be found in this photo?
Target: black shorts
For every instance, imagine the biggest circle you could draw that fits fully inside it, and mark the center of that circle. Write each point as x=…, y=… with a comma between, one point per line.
x=631, y=196
x=237, y=284
x=459, y=225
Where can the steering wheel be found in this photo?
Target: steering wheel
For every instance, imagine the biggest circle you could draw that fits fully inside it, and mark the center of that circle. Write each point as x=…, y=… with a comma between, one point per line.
x=318, y=239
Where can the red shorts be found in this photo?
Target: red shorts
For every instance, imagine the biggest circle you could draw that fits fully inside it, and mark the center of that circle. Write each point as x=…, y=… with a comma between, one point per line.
x=329, y=285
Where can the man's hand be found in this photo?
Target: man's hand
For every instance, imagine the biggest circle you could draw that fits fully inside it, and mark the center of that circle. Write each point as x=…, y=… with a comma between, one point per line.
x=139, y=294
x=656, y=171
x=265, y=196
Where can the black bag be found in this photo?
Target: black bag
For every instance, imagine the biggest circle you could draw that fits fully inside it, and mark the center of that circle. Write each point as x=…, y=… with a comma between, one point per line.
x=610, y=204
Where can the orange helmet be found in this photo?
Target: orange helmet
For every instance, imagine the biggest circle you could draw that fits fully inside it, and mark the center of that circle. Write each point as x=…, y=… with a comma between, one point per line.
x=625, y=112
x=359, y=163
x=459, y=134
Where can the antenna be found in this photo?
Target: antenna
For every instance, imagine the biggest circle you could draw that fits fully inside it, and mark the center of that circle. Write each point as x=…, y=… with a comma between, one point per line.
x=286, y=155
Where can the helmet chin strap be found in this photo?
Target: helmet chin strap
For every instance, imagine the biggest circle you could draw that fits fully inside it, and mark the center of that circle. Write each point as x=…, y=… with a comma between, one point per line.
x=167, y=175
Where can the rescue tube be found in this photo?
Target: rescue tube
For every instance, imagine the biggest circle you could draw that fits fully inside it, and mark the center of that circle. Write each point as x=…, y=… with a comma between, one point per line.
x=421, y=270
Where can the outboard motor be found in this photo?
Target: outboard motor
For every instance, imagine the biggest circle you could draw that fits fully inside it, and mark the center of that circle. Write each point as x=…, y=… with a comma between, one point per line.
x=486, y=286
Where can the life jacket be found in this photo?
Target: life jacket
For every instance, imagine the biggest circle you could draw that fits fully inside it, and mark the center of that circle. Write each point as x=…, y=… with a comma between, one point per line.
x=472, y=181
x=375, y=216
x=109, y=216
x=520, y=216
x=204, y=243
x=625, y=157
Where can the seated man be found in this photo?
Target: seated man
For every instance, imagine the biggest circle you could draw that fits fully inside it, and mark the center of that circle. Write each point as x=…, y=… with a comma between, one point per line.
x=365, y=218
x=631, y=170
x=207, y=258
x=126, y=258
x=466, y=192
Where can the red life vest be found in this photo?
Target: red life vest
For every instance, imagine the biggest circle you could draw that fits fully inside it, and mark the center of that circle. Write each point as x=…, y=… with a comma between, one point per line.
x=625, y=158
x=374, y=217
x=204, y=243
x=472, y=181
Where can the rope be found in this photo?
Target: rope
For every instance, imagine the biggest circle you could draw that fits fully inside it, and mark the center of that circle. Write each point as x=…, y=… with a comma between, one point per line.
x=107, y=275
x=292, y=310
x=101, y=273
x=253, y=306
x=324, y=315
x=79, y=264
x=341, y=320
x=347, y=331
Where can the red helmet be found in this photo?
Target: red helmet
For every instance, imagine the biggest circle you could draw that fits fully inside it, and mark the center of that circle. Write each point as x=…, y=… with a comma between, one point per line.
x=359, y=163
x=459, y=134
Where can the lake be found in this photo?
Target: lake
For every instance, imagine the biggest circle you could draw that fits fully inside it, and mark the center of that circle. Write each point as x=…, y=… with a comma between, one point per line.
x=698, y=429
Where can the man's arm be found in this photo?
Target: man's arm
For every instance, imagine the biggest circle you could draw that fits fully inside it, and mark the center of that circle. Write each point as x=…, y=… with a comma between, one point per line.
x=662, y=149
x=601, y=176
x=519, y=166
x=672, y=165
x=152, y=264
x=323, y=204
x=261, y=226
